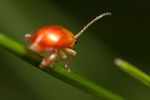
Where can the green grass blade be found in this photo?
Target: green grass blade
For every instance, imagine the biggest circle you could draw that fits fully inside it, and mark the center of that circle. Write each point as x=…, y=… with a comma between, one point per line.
x=57, y=71
x=133, y=71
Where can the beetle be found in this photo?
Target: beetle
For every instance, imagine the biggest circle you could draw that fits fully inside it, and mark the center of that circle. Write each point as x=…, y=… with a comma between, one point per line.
x=56, y=40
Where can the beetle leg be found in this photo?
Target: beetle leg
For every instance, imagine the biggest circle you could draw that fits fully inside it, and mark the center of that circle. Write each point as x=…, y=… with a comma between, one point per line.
x=29, y=37
x=71, y=52
x=62, y=54
x=49, y=60
x=35, y=45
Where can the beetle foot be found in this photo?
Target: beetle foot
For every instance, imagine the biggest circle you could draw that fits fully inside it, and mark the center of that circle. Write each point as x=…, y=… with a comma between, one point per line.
x=67, y=67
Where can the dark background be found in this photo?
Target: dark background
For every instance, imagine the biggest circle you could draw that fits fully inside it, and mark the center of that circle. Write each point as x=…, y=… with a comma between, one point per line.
x=125, y=34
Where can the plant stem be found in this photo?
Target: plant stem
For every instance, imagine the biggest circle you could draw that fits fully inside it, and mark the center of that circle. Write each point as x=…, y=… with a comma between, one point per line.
x=57, y=71
x=133, y=71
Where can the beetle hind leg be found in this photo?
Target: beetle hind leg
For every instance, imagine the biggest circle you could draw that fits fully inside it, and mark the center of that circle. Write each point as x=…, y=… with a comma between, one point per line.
x=28, y=37
x=49, y=60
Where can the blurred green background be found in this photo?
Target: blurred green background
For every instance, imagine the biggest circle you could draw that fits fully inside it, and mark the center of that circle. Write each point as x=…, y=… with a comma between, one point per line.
x=125, y=34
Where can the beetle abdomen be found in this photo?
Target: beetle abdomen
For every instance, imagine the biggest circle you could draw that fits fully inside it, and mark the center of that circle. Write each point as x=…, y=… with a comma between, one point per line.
x=54, y=36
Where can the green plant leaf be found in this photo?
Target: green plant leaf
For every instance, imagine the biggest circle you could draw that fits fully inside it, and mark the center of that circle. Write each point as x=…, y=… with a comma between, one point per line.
x=57, y=71
x=133, y=71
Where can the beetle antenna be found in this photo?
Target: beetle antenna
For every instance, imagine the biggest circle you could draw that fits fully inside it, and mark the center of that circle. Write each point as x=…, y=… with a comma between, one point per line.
x=90, y=23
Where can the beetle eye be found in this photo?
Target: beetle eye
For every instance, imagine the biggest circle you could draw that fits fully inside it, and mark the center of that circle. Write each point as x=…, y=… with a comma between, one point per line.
x=75, y=42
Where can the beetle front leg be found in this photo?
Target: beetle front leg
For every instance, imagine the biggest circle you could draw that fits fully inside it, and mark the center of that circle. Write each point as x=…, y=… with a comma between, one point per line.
x=49, y=60
x=71, y=52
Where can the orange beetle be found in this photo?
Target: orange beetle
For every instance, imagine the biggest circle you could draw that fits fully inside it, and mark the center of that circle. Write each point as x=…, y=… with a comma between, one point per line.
x=55, y=40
